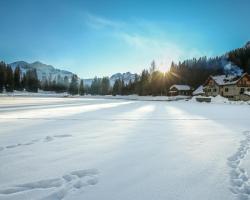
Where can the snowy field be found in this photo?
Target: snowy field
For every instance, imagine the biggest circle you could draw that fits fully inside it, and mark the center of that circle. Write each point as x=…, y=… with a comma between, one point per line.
x=107, y=149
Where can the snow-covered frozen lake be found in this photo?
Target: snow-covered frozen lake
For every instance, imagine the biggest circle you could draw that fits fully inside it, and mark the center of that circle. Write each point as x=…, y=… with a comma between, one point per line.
x=93, y=149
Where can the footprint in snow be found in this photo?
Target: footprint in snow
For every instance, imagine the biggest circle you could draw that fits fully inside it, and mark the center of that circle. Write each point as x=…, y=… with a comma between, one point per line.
x=240, y=184
x=50, y=138
x=46, y=139
x=68, y=183
x=28, y=143
x=43, y=184
x=13, y=146
x=62, y=136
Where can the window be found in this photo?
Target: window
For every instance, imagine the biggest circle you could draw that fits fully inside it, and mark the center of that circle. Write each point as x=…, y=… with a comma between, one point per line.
x=242, y=90
x=215, y=90
x=248, y=89
x=226, y=89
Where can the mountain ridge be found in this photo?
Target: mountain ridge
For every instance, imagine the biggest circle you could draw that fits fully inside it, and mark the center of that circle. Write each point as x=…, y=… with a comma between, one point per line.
x=49, y=72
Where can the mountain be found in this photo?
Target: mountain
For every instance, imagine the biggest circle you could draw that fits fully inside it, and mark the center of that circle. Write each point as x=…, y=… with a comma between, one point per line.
x=128, y=76
x=43, y=71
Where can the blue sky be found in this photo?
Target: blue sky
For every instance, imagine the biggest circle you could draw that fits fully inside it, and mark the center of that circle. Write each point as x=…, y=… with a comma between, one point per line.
x=97, y=37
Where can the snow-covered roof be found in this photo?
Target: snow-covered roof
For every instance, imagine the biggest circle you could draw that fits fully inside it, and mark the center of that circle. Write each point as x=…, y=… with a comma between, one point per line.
x=181, y=87
x=226, y=79
x=199, y=90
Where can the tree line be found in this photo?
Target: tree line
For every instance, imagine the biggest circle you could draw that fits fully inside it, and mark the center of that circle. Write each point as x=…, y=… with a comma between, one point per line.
x=13, y=80
x=154, y=82
x=192, y=72
x=16, y=80
x=150, y=81
x=241, y=58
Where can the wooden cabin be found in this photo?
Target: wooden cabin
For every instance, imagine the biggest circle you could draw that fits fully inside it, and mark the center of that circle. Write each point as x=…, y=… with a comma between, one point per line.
x=230, y=86
x=180, y=90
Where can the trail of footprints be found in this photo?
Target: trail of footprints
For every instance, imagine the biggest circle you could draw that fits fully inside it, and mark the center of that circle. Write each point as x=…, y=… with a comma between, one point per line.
x=68, y=183
x=46, y=139
x=240, y=184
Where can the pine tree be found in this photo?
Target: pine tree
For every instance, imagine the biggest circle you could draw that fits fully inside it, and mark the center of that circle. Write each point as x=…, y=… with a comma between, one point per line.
x=144, y=87
x=66, y=81
x=157, y=83
x=153, y=67
x=2, y=76
x=73, y=87
x=81, y=88
x=17, y=79
x=32, y=82
x=95, y=88
x=23, y=82
x=9, y=83
x=118, y=88
x=45, y=85
x=105, y=86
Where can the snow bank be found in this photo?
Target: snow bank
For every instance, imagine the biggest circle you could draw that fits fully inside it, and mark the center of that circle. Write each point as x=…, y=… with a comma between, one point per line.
x=216, y=100
x=220, y=100
x=40, y=93
x=141, y=98
x=247, y=93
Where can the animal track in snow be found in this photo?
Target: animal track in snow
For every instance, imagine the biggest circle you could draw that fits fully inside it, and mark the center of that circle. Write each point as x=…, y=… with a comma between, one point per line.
x=43, y=184
x=240, y=184
x=46, y=139
x=50, y=138
x=12, y=146
x=63, y=135
x=68, y=183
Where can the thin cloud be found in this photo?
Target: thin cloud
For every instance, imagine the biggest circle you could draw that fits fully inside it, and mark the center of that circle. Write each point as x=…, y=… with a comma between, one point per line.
x=98, y=22
x=143, y=41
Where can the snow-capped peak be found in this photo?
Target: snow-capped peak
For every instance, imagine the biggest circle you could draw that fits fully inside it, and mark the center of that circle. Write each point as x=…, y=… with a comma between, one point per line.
x=44, y=71
x=126, y=77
